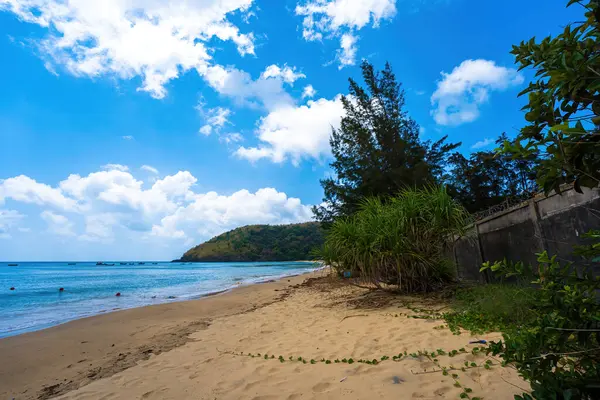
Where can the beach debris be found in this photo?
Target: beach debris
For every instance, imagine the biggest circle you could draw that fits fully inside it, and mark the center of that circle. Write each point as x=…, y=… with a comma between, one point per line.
x=343, y=379
x=397, y=380
x=118, y=294
x=478, y=342
x=12, y=288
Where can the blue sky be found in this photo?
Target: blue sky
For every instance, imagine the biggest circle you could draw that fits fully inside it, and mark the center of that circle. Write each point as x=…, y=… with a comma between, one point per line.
x=132, y=130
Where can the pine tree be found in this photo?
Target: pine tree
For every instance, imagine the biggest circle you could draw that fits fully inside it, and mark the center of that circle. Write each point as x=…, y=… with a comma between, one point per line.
x=377, y=148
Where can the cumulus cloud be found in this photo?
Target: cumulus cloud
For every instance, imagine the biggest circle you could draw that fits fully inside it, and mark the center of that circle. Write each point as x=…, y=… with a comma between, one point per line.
x=150, y=169
x=209, y=212
x=267, y=91
x=26, y=190
x=482, y=143
x=287, y=74
x=348, y=50
x=57, y=223
x=309, y=92
x=99, y=206
x=460, y=93
x=155, y=40
x=296, y=132
x=342, y=18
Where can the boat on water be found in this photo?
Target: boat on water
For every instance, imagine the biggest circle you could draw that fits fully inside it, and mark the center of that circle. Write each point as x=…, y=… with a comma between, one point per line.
x=72, y=264
x=13, y=265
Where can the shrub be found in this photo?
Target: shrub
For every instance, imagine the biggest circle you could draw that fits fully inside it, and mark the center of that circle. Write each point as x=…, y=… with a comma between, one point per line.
x=559, y=353
x=402, y=242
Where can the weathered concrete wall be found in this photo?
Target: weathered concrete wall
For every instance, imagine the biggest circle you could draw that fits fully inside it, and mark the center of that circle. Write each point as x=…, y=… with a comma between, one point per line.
x=554, y=223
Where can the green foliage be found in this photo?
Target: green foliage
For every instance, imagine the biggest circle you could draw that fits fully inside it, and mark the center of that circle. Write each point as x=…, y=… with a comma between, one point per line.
x=486, y=179
x=401, y=242
x=492, y=308
x=563, y=107
x=559, y=352
x=377, y=149
x=261, y=243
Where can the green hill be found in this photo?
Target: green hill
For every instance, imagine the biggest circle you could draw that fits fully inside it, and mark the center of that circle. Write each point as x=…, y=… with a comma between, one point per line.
x=260, y=243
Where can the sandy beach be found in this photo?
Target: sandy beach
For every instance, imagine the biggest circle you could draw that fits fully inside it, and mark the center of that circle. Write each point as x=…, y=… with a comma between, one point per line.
x=199, y=350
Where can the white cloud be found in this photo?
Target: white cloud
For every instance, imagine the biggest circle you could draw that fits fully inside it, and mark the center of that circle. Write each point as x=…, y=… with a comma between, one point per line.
x=206, y=130
x=216, y=118
x=332, y=18
x=57, y=223
x=348, y=50
x=483, y=143
x=460, y=93
x=105, y=204
x=231, y=138
x=296, y=132
x=150, y=169
x=24, y=189
x=155, y=40
x=287, y=74
x=118, y=167
x=263, y=92
x=309, y=92
x=127, y=137
x=212, y=213
x=8, y=220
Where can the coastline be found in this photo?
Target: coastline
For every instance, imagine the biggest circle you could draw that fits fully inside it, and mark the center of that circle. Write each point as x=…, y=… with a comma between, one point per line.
x=131, y=299
x=198, y=349
x=63, y=357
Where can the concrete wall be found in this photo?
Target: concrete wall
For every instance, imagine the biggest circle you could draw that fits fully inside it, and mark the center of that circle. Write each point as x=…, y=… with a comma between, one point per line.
x=554, y=223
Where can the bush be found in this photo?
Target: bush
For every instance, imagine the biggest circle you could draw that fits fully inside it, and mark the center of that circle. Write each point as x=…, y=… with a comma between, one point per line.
x=559, y=352
x=401, y=243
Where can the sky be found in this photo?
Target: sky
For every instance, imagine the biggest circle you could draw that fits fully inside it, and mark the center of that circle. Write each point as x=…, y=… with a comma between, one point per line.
x=135, y=129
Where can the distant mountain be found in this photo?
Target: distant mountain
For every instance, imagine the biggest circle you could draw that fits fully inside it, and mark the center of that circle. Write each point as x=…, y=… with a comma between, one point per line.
x=260, y=243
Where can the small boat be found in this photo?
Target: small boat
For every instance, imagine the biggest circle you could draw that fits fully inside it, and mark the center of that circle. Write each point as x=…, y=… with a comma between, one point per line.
x=13, y=265
x=72, y=264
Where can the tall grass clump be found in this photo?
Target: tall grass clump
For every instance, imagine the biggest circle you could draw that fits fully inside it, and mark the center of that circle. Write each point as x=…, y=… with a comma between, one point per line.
x=401, y=243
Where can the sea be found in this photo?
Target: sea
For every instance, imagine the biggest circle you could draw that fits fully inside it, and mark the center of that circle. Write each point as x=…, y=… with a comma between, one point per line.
x=36, y=301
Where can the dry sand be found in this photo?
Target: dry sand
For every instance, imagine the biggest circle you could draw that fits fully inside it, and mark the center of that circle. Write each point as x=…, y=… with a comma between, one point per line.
x=190, y=350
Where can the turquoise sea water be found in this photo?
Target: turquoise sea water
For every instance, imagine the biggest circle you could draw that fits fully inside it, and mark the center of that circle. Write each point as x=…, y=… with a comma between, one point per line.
x=89, y=289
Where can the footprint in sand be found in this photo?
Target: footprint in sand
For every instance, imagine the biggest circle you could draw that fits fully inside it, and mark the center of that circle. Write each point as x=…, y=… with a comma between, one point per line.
x=321, y=387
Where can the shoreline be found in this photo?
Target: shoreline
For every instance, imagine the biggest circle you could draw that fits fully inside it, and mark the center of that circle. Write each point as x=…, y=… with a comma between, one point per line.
x=63, y=357
x=159, y=301
x=216, y=348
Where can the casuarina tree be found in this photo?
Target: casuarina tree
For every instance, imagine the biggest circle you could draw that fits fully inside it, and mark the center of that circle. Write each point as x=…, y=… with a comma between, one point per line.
x=377, y=149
